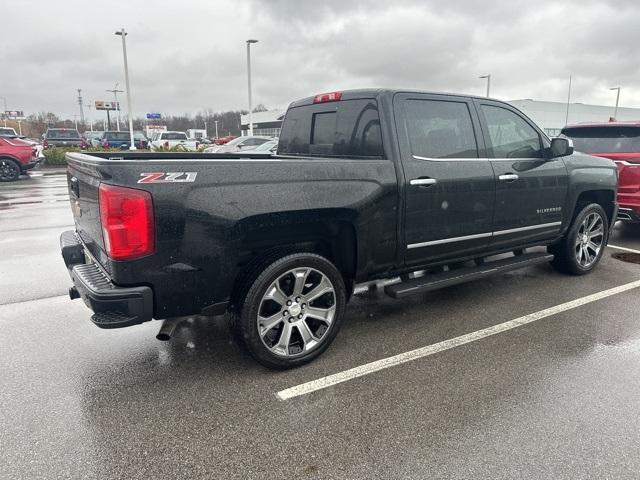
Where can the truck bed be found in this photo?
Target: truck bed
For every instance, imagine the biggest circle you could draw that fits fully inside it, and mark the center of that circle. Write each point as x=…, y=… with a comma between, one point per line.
x=211, y=210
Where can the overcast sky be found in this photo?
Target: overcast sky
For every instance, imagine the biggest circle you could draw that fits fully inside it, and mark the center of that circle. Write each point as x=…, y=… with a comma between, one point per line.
x=189, y=55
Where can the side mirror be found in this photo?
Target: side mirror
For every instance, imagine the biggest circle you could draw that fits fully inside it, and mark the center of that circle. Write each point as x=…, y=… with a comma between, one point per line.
x=561, y=147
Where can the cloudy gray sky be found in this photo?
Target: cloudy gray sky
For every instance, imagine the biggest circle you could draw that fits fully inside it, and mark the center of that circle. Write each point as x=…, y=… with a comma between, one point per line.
x=189, y=55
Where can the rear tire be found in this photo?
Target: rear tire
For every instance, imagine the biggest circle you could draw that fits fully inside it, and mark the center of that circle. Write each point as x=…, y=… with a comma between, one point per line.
x=582, y=247
x=290, y=310
x=9, y=170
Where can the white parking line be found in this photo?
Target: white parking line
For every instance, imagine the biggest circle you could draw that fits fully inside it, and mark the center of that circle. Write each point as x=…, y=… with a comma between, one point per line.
x=624, y=248
x=405, y=357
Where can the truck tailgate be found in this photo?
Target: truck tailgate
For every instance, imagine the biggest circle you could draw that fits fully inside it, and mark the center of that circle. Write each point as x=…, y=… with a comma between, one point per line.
x=83, y=184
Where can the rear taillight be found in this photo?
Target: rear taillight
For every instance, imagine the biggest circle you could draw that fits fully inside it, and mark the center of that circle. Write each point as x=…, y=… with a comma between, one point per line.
x=127, y=222
x=83, y=144
x=327, y=97
x=105, y=144
x=45, y=144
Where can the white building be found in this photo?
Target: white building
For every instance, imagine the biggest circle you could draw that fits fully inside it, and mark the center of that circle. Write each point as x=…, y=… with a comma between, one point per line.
x=552, y=116
x=264, y=123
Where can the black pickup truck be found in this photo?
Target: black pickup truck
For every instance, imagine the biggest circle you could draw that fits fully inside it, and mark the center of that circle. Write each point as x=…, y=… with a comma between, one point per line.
x=365, y=185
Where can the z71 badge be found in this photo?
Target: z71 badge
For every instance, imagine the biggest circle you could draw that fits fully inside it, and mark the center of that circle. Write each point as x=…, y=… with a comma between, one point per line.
x=168, y=177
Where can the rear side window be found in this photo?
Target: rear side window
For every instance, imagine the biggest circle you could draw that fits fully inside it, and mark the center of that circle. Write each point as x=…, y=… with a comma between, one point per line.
x=440, y=129
x=347, y=128
x=605, y=139
x=510, y=135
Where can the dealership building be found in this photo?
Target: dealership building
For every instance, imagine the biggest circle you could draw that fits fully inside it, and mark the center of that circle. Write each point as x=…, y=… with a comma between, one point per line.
x=550, y=116
x=266, y=123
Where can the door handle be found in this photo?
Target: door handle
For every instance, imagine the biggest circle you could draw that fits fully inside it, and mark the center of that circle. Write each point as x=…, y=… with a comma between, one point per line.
x=508, y=177
x=423, y=182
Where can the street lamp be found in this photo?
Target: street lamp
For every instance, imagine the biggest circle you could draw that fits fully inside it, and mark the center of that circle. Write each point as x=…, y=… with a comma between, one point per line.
x=4, y=112
x=488, y=77
x=249, y=42
x=615, y=112
x=123, y=34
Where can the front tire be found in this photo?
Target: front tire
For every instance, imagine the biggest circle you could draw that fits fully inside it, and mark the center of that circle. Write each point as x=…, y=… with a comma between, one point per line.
x=291, y=311
x=9, y=170
x=581, y=249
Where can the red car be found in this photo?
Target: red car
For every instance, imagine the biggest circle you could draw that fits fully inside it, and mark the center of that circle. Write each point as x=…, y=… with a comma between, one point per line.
x=620, y=142
x=223, y=140
x=16, y=157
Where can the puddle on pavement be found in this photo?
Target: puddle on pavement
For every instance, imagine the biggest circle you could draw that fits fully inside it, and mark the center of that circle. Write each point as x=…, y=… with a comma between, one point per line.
x=627, y=257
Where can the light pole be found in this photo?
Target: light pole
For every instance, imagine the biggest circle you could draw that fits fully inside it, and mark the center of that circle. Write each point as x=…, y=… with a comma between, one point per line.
x=488, y=77
x=566, y=118
x=115, y=92
x=615, y=112
x=90, y=118
x=216, y=122
x=81, y=111
x=4, y=112
x=249, y=42
x=123, y=34
x=205, y=129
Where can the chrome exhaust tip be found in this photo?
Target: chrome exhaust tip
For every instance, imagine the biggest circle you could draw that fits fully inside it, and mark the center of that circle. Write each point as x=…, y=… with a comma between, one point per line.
x=168, y=327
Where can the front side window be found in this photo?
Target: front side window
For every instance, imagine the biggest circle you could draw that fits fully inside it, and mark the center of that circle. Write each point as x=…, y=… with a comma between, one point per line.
x=510, y=135
x=440, y=129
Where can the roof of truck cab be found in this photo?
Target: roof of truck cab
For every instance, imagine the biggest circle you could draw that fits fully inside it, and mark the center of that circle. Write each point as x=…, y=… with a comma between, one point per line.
x=354, y=94
x=630, y=123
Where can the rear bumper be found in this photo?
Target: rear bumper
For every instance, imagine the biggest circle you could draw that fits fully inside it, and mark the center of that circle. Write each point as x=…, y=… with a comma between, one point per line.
x=30, y=165
x=629, y=204
x=113, y=306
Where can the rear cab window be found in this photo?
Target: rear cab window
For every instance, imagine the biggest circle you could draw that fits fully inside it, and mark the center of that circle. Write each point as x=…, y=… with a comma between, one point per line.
x=55, y=134
x=123, y=136
x=605, y=139
x=344, y=128
x=174, y=136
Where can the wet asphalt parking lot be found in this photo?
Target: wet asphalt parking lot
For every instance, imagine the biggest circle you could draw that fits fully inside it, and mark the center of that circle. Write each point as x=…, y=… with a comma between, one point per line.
x=554, y=395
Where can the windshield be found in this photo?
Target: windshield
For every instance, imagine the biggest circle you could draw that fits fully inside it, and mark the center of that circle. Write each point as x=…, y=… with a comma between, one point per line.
x=235, y=141
x=63, y=134
x=266, y=146
x=7, y=132
x=624, y=139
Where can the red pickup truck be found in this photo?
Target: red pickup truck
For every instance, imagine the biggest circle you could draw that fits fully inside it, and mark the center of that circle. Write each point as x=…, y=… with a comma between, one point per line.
x=620, y=142
x=16, y=157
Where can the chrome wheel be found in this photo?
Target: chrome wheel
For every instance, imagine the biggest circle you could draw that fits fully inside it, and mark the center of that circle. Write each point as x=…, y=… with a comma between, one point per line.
x=589, y=240
x=296, y=312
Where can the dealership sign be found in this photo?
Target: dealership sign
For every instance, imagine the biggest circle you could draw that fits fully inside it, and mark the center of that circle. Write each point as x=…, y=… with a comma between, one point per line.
x=15, y=114
x=153, y=116
x=101, y=105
